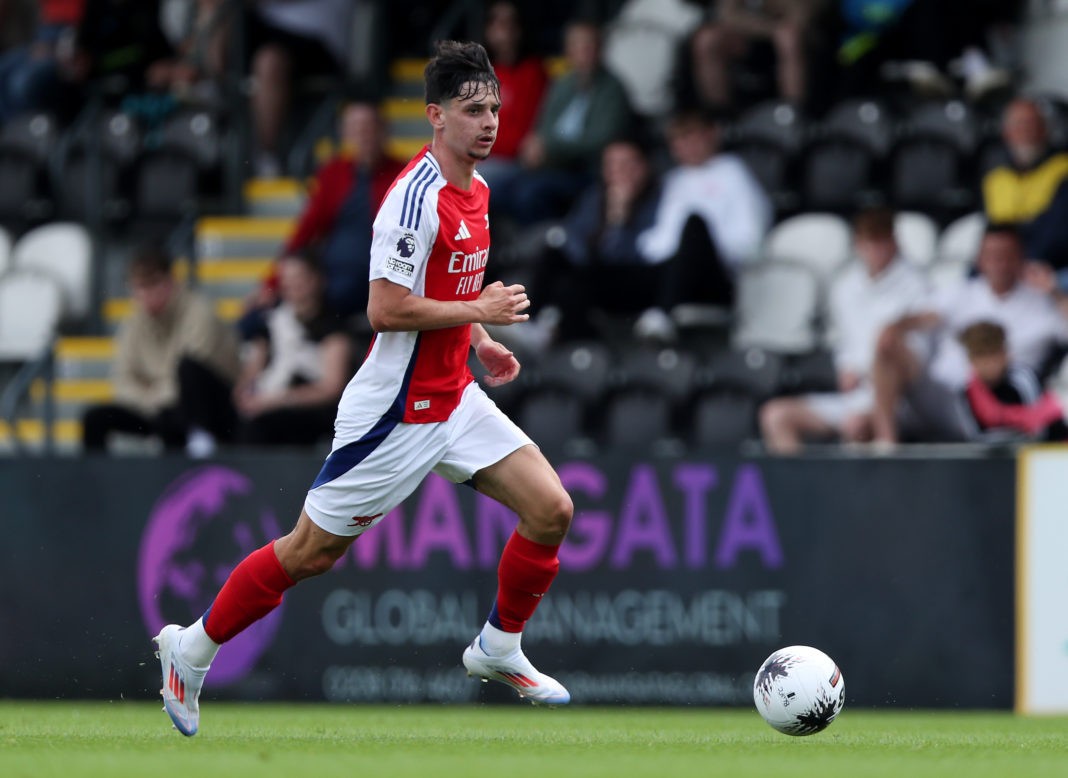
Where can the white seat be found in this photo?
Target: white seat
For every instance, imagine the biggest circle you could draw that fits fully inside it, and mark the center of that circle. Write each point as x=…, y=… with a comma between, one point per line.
x=947, y=273
x=917, y=237
x=821, y=241
x=5, y=250
x=62, y=250
x=30, y=308
x=777, y=307
x=959, y=241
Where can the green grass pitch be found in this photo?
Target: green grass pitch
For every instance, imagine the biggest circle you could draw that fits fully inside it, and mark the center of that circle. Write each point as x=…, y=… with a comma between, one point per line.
x=44, y=739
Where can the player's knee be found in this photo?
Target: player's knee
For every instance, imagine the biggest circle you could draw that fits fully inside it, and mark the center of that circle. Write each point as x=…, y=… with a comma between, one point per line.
x=554, y=517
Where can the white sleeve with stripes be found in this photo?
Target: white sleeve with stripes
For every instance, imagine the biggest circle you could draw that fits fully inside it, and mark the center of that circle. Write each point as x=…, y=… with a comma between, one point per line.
x=405, y=229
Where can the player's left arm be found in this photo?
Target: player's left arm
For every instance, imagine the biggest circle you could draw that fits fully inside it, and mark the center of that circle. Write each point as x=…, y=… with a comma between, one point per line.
x=501, y=364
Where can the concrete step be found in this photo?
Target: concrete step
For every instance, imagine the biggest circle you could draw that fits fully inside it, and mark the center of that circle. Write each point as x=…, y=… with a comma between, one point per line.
x=84, y=357
x=230, y=237
x=67, y=434
x=118, y=309
x=278, y=197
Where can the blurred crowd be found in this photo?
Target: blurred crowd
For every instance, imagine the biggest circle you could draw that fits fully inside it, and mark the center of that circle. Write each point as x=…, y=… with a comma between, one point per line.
x=614, y=176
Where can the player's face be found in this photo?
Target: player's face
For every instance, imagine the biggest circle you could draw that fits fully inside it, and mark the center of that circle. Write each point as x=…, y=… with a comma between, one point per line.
x=469, y=123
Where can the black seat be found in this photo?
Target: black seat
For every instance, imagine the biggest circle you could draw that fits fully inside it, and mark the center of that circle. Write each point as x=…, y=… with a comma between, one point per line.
x=927, y=173
x=838, y=174
x=552, y=417
x=583, y=368
x=668, y=371
x=637, y=420
x=722, y=420
x=752, y=372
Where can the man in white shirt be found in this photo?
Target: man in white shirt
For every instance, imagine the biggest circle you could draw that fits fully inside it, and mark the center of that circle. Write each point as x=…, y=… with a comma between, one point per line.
x=918, y=397
x=710, y=187
x=877, y=289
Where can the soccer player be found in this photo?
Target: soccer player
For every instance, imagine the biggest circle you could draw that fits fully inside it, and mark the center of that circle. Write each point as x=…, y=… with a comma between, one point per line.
x=413, y=407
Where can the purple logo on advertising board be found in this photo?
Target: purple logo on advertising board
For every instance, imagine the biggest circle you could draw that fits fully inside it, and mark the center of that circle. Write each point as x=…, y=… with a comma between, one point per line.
x=206, y=521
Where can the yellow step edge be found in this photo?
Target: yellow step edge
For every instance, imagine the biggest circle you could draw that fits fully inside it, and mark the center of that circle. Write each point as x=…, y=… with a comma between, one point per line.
x=407, y=69
x=245, y=227
x=406, y=148
x=233, y=270
x=85, y=348
x=76, y=390
x=33, y=431
x=273, y=188
x=404, y=108
x=118, y=309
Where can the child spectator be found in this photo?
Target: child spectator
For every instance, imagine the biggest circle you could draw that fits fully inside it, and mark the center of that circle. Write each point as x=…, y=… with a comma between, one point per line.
x=1003, y=397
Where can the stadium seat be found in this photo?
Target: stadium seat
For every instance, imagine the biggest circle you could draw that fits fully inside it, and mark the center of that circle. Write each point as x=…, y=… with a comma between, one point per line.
x=5, y=250
x=166, y=185
x=583, y=368
x=838, y=174
x=927, y=173
x=952, y=121
x=772, y=167
x=552, y=417
x=811, y=372
x=25, y=142
x=777, y=308
x=116, y=138
x=917, y=237
x=820, y=241
x=753, y=372
x=722, y=421
x=959, y=241
x=31, y=304
x=774, y=123
x=866, y=122
x=62, y=250
x=668, y=371
x=637, y=421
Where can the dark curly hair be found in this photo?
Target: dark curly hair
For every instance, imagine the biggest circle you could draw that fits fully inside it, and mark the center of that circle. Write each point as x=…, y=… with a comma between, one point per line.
x=457, y=70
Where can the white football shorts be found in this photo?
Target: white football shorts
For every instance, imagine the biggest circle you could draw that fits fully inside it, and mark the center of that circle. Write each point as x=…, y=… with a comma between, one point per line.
x=362, y=480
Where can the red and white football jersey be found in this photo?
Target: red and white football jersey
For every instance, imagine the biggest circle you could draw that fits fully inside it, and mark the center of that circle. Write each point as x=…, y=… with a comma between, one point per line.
x=433, y=238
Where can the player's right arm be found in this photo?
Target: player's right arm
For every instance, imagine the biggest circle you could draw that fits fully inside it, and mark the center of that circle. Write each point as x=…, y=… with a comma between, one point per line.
x=392, y=307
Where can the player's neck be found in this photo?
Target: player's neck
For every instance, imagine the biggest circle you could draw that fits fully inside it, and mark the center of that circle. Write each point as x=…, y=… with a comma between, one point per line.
x=459, y=172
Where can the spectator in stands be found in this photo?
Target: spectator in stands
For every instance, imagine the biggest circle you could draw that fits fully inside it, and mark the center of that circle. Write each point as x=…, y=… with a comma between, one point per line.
x=706, y=193
x=196, y=72
x=119, y=41
x=1003, y=399
x=596, y=266
x=1029, y=189
x=767, y=35
x=524, y=81
x=336, y=222
x=925, y=42
x=34, y=76
x=289, y=40
x=582, y=112
x=341, y=208
x=174, y=368
x=917, y=396
x=297, y=366
x=879, y=288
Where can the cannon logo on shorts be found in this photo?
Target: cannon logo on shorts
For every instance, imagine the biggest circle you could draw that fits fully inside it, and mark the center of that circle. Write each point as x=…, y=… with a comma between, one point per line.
x=364, y=521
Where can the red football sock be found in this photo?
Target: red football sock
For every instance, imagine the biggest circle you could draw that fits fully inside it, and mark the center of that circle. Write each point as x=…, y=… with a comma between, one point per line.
x=253, y=590
x=526, y=571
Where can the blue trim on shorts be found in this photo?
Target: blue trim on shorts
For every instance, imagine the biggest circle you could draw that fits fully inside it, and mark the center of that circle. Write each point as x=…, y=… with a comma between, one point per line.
x=351, y=454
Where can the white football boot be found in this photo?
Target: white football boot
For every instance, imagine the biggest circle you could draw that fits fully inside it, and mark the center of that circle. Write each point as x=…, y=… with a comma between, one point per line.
x=181, y=682
x=515, y=670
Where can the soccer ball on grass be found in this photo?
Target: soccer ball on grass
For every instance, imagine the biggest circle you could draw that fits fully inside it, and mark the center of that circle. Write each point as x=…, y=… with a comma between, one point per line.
x=799, y=690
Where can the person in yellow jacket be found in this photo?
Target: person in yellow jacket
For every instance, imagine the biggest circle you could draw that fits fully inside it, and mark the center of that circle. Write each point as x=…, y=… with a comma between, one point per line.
x=1027, y=189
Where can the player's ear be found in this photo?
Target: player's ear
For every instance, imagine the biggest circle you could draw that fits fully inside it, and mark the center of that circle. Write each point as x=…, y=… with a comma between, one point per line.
x=435, y=114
